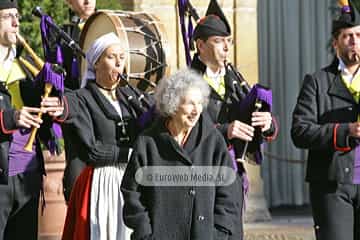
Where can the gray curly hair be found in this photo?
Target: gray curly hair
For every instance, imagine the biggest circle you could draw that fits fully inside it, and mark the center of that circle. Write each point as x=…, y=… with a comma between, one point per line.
x=169, y=91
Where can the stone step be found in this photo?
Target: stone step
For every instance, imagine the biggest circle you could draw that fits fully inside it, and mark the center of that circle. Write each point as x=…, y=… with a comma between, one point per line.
x=281, y=228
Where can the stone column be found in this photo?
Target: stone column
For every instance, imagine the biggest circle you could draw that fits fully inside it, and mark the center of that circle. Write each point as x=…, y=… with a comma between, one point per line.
x=242, y=15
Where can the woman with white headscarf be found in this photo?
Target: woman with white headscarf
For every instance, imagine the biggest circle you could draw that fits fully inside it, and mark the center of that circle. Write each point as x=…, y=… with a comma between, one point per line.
x=106, y=126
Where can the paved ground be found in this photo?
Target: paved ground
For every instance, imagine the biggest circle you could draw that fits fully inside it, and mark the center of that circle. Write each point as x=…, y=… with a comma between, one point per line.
x=286, y=224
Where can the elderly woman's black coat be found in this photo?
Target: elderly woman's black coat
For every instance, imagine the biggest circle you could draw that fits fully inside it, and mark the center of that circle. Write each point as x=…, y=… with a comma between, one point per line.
x=181, y=212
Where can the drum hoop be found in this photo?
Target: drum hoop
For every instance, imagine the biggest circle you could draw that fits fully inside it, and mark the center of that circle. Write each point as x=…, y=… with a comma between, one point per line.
x=158, y=27
x=121, y=30
x=163, y=39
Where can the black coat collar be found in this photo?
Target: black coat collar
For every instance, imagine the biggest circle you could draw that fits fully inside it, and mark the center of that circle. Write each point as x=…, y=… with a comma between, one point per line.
x=199, y=133
x=104, y=104
x=199, y=66
x=337, y=87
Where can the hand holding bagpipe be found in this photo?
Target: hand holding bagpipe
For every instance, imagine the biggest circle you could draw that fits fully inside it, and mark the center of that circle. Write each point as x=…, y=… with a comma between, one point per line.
x=52, y=106
x=49, y=83
x=52, y=74
x=240, y=130
x=30, y=117
x=254, y=110
x=263, y=120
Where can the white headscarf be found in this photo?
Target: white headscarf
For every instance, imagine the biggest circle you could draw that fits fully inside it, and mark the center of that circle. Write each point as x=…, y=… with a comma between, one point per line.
x=96, y=49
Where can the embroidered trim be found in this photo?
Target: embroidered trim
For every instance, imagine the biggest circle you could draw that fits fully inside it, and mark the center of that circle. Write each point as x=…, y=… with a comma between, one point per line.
x=66, y=108
x=3, y=129
x=276, y=132
x=343, y=149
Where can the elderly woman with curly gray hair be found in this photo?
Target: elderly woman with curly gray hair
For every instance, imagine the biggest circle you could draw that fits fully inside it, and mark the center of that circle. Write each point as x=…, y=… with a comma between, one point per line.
x=181, y=143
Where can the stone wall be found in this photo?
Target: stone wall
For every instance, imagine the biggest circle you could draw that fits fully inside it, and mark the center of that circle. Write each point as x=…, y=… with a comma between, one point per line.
x=241, y=14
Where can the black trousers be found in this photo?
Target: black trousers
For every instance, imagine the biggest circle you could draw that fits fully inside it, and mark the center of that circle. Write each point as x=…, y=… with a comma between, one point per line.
x=336, y=210
x=19, y=207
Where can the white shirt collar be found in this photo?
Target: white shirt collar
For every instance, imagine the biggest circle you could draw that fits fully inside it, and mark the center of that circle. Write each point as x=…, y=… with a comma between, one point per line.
x=345, y=74
x=210, y=74
x=12, y=55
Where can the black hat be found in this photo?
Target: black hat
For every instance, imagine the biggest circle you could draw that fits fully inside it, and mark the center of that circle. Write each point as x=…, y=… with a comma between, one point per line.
x=349, y=17
x=213, y=24
x=5, y=4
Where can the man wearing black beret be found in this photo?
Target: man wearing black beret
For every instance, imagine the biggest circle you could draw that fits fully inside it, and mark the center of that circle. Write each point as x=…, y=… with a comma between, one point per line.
x=326, y=122
x=212, y=35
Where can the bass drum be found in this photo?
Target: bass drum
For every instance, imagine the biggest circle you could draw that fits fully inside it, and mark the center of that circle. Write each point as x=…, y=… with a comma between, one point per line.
x=144, y=38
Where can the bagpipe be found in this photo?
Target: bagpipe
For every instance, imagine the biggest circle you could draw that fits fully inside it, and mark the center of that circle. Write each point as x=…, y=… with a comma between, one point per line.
x=49, y=29
x=143, y=103
x=49, y=74
x=245, y=99
x=35, y=70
